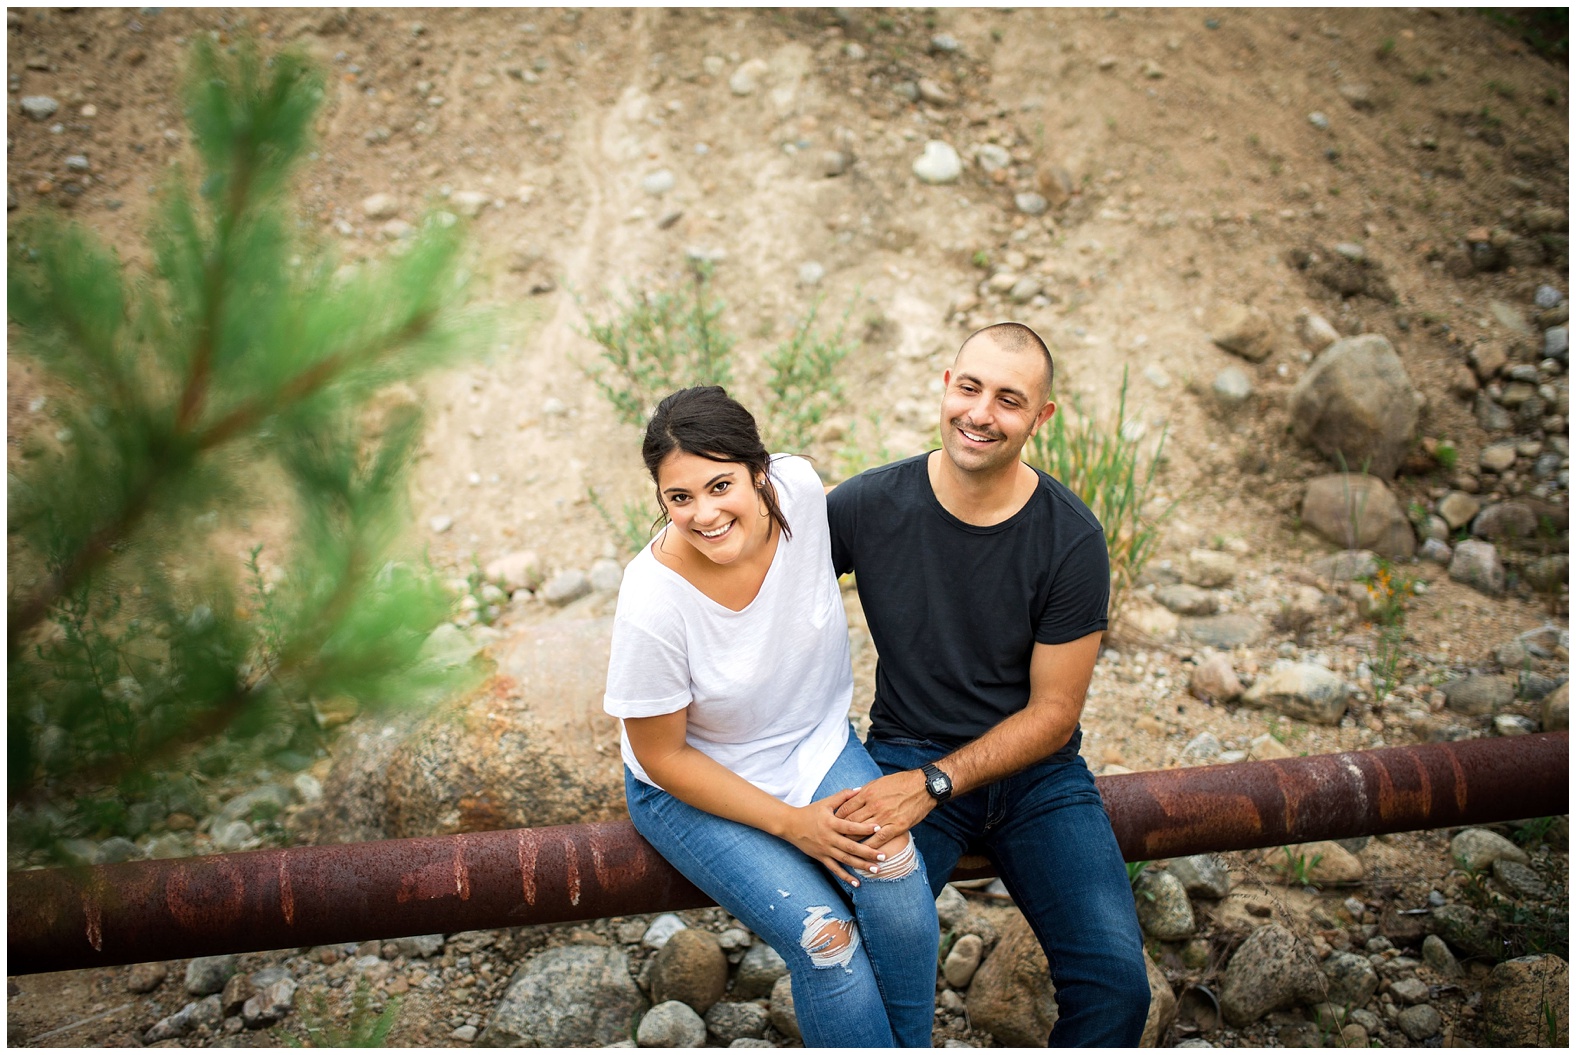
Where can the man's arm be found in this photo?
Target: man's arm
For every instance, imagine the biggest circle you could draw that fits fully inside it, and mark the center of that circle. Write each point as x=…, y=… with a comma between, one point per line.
x=1058, y=683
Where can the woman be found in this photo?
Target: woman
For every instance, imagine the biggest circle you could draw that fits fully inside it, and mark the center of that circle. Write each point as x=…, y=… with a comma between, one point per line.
x=730, y=671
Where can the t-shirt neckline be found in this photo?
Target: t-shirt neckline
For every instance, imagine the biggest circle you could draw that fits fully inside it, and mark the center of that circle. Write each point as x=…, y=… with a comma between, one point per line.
x=950, y=518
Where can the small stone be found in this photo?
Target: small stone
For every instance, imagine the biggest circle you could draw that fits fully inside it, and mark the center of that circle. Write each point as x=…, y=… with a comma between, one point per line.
x=380, y=207
x=658, y=182
x=1352, y=980
x=1316, y=333
x=1434, y=550
x=1556, y=710
x=422, y=946
x=1408, y=991
x=1024, y=290
x=1244, y=331
x=606, y=574
x=671, y=1024
x=146, y=977
x=945, y=43
x=811, y=273
x=1209, y=568
x=1202, y=875
x=992, y=158
x=233, y=835
x=1318, y=120
x=440, y=523
x=39, y=107
x=1231, y=388
x=758, y=972
x=1520, y=880
x=1476, y=563
x=1480, y=694
x=1185, y=599
x=1513, y=725
x=1439, y=958
x=1164, y=911
x=963, y=960
x=1458, y=508
x=463, y=1034
x=662, y=928
x=1497, y=457
x=1476, y=849
x=934, y=93
x=745, y=79
x=1303, y=691
x=729, y=1022
x=207, y=974
x=1420, y=1022
x=1205, y=747
x=1030, y=203
x=951, y=907
x=938, y=164
x=568, y=585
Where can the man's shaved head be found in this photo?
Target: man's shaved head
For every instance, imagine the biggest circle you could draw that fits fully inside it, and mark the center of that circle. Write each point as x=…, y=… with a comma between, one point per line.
x=1016, y=337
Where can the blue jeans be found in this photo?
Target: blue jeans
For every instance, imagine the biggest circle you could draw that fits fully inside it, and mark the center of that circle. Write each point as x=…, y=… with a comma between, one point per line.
x=1046, y=831
x=877, y=988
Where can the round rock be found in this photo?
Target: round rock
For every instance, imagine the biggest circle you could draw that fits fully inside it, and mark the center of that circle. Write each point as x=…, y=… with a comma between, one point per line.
x=758, y=971
x=671, y=1025
x=1231, y=388
x=733, y=1021
x=1420, y=1022
x=1202, y=875
x=1270, y=971
x=1352, y=980
x=1164, y=911
x=938, y=164
x=691, y=968
x=1478, y=848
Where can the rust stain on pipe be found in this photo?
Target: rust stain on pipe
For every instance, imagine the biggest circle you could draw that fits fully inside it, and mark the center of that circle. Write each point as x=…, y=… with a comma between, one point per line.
x=59, y=919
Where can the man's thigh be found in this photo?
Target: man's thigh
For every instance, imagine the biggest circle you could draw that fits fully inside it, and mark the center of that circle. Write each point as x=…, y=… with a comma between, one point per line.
x=946, y=834
x=1057, y=855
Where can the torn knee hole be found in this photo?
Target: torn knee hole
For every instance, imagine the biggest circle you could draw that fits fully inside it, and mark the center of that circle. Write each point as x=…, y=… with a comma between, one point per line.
x=830, y=942
x=898, y=865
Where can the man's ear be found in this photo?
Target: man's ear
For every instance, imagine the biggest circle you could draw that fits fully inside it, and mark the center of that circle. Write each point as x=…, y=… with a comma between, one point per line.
x=1046, y=413
x=946, y=378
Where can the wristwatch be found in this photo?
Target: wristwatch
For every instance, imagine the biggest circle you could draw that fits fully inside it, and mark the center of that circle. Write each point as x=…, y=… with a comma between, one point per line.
x=936, y=782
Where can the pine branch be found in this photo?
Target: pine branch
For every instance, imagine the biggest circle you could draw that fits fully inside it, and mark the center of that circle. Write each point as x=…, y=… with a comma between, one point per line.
x=240, y=420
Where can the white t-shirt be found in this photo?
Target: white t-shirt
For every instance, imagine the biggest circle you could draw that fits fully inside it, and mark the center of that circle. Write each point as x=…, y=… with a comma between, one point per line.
x=768, y=688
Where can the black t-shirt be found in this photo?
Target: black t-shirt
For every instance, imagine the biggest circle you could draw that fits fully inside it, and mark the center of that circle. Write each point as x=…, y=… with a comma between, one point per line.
x=954, y=609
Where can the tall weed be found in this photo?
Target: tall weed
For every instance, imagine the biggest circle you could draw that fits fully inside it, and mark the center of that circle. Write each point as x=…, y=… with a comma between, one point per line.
x=1102, y=466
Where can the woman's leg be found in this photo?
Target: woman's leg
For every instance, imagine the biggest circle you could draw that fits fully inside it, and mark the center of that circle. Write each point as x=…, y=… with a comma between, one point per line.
x=786, y=898
x=896, y=914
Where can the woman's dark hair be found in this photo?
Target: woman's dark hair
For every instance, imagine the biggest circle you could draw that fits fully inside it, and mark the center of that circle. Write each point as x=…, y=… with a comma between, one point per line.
x=705, y=421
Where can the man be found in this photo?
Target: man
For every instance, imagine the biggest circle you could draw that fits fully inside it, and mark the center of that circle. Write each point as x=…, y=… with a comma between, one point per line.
x=985, y=584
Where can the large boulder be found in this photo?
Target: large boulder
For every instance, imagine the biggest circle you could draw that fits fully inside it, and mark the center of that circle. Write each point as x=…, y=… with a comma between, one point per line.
x=1306, y=692
x=1526, y=1003
x=529, y=747
x=571, y=996
x=1357, y=511
x=1357, y=406
x=1270, y=971
x=1012, y=997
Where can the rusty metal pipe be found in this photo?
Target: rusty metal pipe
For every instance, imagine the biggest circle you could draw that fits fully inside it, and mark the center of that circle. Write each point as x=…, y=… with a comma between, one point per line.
x=61, y=919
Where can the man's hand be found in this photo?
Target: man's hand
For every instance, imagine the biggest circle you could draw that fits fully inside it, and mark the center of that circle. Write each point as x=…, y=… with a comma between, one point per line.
x=896, y=802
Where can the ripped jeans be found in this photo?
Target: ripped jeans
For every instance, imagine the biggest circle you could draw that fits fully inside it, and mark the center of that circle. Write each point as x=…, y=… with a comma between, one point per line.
x=862, y=959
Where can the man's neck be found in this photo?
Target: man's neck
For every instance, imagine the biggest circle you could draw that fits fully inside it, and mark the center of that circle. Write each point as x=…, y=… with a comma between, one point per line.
x=980, y=499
